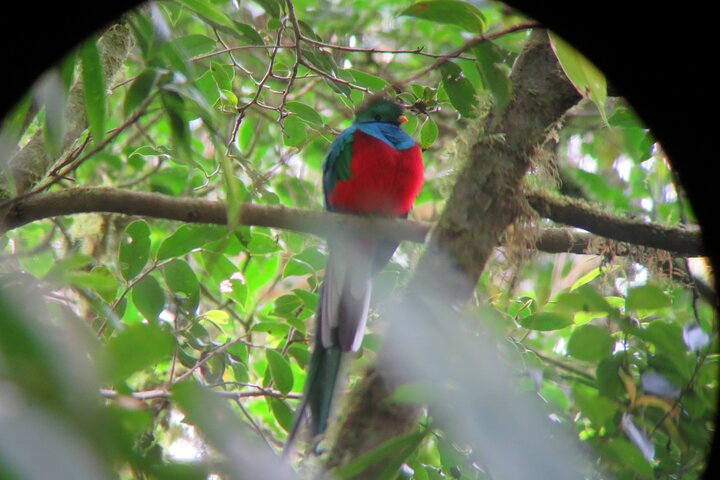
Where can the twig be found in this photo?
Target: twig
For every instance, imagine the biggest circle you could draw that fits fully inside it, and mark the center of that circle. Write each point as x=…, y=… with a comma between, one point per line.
x=473, y=42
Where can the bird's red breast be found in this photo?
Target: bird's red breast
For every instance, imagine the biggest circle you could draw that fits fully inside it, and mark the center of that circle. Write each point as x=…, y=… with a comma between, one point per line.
x=383, y=180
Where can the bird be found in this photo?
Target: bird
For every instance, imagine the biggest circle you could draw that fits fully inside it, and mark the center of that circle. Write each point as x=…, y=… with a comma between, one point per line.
x=372, y=168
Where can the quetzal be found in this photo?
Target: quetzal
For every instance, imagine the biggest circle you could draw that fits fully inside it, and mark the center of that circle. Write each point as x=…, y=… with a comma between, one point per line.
x=373, y=167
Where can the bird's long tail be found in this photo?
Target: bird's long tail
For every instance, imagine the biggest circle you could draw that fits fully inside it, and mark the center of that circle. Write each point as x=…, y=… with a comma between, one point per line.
x=320, y=384
x=340, y=324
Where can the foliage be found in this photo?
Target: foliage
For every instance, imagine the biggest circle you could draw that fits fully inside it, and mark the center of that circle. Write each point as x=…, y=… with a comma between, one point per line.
x=221, y=101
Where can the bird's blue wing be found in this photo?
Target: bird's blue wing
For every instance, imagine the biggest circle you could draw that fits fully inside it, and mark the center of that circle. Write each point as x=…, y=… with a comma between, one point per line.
x=337, y=162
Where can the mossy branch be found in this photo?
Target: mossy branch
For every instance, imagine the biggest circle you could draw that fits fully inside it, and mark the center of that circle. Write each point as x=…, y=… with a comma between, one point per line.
x=32, y=162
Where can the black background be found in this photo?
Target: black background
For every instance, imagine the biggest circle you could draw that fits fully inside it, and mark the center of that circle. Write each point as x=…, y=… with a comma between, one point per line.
x=661, y=58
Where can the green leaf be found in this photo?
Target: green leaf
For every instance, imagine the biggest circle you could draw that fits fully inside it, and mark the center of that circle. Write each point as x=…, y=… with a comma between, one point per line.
x=647, y=297
x=209, y=11
x=262, y=244
x=626, y=454
x=428, y=133
x=668, y=340
x=248, y=33
x=459, y=89
x=175, y=108
x=546, y=321
x=182, y=281
x=134, y=249
x=608, y=380
x=187, y=238
x=494, y=73
x=394, y=452
x=279, y=370
x=306, y=262
x=286, y=305
x=450, y=12
x=148, y=297
x=194, y=45
x=590, y=343
x=281, y=412
x=137, y=347
x=223, y=75
x=272, y=7
x=140, y=90
x=587, y=278
x=599, y=410
x=305, y=112
x=367, y=80
x=94, y=89
x=294, y=131
x=585, y=76
x=102, y=280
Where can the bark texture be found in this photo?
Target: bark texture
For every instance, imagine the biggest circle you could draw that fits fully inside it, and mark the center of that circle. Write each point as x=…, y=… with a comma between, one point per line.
x=484, y=202
x=32, y=162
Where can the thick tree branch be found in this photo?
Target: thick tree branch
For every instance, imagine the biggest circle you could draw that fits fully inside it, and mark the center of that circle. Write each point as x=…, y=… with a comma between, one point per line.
x=17, y=212
x=578, y=213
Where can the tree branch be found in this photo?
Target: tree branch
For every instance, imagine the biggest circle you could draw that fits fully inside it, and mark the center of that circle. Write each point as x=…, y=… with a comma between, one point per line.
x=21, y=211
x=589, y=217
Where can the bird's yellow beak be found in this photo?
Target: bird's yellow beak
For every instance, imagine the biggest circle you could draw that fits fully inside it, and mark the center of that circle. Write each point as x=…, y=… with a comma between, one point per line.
x=402, y=119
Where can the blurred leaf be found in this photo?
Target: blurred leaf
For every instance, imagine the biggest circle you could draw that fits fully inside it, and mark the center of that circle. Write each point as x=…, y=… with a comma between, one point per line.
x=668, y=341
x=223, y=75
x=94, y=89
x=281, y=412
x=587, y=278
x=272, y=7
x=305, y=112
x=590, y=343
x=608, y=380
x=494, y=73
x=188, y=237
x=182, y=281
x=598, y=409
x=647, y=297
x=294, y=131
x=585, y=76
x=175, y=108
x=393, y=452
x=140, y=90
x=137, y=347
x=627, y=455
x=546, y=321
x=367, y=80
x=209, y=11
x=280, y=371
x=149, y=297
x=459, y=89
x=134, y=249
x=451, y=12
x=428, y=133
x=195, y=44
x=248, y=33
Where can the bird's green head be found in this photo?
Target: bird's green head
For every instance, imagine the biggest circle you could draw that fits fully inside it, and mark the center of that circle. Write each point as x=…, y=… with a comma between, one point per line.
x=380, y=109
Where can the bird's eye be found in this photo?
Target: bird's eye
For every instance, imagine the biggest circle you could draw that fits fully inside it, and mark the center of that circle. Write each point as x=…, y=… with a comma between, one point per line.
x=378, y=117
